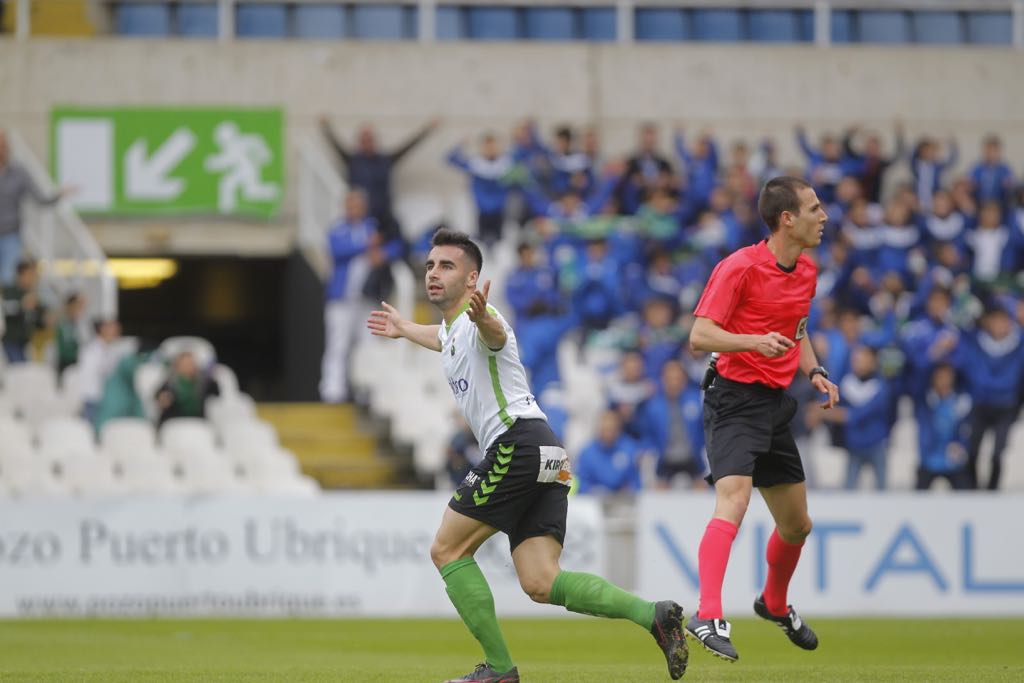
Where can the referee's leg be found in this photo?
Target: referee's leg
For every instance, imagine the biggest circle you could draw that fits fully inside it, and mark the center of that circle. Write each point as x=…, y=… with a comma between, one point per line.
x=732, y=497
x=788, y=506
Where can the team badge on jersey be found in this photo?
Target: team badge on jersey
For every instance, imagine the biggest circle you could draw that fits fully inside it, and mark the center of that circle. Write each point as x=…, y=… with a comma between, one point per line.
x=801, y=328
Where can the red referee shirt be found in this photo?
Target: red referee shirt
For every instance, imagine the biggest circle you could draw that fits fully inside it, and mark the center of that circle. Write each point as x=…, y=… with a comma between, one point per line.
x=750, y=293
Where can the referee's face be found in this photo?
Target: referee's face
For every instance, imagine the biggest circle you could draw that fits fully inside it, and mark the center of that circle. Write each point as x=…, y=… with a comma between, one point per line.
x=448, y=275
x=809, y=225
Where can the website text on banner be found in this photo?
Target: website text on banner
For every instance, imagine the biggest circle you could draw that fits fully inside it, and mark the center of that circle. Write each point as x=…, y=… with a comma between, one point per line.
x=339, y=555
x=896, y=554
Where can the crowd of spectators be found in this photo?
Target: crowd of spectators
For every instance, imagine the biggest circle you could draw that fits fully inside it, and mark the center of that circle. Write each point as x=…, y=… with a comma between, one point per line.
x=92, y=359
x=919, y=293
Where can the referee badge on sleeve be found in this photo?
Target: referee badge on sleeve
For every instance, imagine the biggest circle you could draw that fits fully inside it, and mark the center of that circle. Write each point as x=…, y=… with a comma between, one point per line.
x=801, y=328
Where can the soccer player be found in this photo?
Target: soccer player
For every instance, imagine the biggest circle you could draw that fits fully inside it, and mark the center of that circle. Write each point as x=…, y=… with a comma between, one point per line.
x=521, y=485
x=753, y=313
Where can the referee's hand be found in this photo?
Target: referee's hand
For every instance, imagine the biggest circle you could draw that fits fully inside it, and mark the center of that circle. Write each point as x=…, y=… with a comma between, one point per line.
x=773, y=345
x=828, y=388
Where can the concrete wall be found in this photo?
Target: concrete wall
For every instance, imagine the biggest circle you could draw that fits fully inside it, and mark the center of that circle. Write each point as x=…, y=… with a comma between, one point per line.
x=746, y=91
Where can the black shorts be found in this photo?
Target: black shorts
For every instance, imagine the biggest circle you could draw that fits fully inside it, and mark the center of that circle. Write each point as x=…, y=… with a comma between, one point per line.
x=668, y=470
x=521, y=485
x=746, y=429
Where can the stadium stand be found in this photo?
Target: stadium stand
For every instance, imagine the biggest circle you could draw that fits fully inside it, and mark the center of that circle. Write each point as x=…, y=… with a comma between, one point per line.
x=262, y=20
x=144, y=20
x=583, y=370
x=322, y=22
x=381, y=22
x=549, y=23
x=198, y=20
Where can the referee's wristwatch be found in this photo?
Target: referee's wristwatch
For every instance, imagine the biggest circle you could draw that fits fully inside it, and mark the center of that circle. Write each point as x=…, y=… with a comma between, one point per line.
x=817, y=371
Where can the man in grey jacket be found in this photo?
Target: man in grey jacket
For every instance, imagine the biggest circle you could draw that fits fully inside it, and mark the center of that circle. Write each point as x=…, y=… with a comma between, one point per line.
x=15, y=184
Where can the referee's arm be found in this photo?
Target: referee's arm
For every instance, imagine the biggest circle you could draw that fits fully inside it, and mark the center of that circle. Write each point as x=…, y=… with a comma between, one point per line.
x=809, y=361
x=707, y=335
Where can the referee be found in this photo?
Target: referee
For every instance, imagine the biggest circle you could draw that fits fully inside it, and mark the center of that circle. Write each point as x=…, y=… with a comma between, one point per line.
x=753, y=316
x=521, y=485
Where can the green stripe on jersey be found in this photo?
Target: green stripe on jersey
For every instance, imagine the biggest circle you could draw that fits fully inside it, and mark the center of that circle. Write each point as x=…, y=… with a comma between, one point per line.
x=499, y=395
x=447, y=325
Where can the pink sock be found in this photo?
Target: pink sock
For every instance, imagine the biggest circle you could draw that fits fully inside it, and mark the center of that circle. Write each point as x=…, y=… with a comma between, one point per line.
x=782, y=558
x=712, y=558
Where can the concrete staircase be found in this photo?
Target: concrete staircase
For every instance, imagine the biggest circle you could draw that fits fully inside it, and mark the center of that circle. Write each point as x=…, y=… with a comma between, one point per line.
x=332, y=447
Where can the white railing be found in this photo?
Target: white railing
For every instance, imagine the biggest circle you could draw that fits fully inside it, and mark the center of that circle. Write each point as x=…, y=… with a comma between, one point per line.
x=427, y=9
x=70, y=259
x=321, y=190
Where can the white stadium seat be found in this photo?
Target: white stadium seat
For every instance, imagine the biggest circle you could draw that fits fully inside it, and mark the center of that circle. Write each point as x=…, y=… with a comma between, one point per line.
x=239, y=436
x=146, y=474
x=30, y=379
x=127, y=435
x=148, y=378
x=25, y=475
x=65, y=434
x=7, y=407
x=70, y=391
x=205, y=472
x=226, y=380
x=227, y=408
x=15, y=436
x=185, y=434
x=85, y=475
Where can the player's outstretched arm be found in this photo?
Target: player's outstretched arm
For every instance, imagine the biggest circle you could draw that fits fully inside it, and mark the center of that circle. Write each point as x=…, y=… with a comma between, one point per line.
x=491, y=331
x=388, y=323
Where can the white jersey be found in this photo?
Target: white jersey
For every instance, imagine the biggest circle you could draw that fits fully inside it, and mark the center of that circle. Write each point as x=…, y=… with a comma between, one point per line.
x=489, y=386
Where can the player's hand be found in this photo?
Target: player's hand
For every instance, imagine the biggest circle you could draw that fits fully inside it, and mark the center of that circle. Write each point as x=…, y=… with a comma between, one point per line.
x=773, y=345
x=477, y=311
x=826, y=387
x=386, y=323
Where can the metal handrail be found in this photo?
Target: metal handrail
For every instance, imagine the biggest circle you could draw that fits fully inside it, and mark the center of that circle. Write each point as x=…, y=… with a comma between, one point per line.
x=321, y=190
x=69, y=257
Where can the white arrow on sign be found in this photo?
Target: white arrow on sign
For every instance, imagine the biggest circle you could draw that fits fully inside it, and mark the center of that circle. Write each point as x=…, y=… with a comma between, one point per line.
x=146, y=178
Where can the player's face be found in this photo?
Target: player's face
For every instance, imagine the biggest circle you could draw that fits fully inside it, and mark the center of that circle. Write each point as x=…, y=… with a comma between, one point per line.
x=809, y=224
x=449, y=274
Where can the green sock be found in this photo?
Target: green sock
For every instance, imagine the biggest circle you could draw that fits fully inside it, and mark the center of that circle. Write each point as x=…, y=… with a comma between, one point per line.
x=589, y=594
x=468, y=590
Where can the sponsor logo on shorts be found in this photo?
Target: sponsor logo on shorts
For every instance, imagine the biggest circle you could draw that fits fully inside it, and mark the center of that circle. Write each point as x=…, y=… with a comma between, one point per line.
x=554, y=466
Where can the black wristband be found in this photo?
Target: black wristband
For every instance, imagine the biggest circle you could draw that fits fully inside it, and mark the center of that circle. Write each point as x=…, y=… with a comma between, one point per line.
x=817, y=371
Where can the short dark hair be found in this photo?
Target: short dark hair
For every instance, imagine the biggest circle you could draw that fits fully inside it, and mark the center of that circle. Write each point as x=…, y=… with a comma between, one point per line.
x=778, y=195
x=453, y=238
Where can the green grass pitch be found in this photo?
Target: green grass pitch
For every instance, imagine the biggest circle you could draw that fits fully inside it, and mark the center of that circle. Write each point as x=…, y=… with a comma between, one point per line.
x=547, y=651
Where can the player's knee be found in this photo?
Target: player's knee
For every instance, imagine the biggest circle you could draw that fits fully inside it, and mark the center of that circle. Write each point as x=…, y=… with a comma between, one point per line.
x=537, y=587
x=797, y=532
x=442, y=553
x=733, y=507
